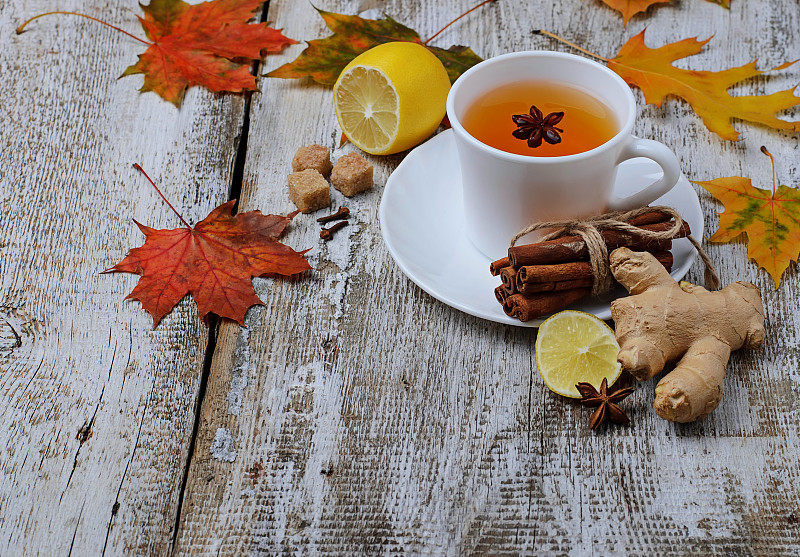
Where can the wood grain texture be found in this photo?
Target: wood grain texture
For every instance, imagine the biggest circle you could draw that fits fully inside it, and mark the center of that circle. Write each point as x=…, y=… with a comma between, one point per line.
x=97, y=408
x=355, y=413
x=367, y=417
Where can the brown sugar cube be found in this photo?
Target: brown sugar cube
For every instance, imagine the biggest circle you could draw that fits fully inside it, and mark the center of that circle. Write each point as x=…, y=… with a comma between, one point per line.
x=312, y=156
x=351, y=174
x=308, y=189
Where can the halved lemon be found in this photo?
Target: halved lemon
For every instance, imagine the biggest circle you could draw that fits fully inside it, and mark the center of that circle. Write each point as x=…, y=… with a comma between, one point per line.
x=391, y=97
x=574, y=347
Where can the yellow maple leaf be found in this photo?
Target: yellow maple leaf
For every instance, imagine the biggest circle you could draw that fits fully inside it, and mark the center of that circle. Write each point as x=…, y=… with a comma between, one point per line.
x=651, y=70
x=769, y=219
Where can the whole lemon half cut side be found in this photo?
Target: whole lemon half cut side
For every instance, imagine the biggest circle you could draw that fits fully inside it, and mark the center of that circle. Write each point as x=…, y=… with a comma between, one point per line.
x=391, y=97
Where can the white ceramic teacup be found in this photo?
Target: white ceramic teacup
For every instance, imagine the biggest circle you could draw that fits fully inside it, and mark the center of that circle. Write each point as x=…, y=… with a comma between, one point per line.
x=505, y=192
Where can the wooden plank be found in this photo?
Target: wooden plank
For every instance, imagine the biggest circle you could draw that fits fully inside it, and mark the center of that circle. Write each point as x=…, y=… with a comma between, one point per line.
x=98, y=409
x=356, y=414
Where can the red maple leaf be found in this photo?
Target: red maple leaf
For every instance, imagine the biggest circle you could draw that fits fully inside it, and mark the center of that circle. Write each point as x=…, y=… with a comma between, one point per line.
x=209, y=44
x=204, y=45
x=214, y=261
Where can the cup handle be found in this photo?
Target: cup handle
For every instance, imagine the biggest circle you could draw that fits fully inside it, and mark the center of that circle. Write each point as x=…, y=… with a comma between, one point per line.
x=665, y=158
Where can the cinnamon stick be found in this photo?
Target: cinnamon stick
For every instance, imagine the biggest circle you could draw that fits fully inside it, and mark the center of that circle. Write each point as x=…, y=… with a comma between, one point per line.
x=573, y=248
x=555, y=286
x=575, y=270
x=537, y=299
x=526, y=308
x=509, y=277
x=496, y=266
x=651, y=217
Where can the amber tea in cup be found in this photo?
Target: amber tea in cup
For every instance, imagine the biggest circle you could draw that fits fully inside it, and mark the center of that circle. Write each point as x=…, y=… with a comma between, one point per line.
x=505, y=189
x=586, y=122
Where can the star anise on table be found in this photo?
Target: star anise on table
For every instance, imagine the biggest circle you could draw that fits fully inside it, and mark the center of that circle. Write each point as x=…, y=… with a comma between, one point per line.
x=535, y=126
x=606, y=409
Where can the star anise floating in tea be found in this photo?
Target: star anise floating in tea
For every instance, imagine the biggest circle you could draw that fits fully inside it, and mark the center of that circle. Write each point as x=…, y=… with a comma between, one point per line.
x=536, y=127
x=606, y=409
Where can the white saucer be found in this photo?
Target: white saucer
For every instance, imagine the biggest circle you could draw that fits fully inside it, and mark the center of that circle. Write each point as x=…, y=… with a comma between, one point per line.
x=423, y=225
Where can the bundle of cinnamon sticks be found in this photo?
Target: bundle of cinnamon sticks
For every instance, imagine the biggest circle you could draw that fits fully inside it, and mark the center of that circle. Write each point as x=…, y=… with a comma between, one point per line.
x=546, y=276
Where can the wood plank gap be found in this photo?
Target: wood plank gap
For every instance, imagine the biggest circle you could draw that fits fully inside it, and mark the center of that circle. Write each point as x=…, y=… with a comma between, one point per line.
x=213, y=330
x=234, y=192
x=241, y=149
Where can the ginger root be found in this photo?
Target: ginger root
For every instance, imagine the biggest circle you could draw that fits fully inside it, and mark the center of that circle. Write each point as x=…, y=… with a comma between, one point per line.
x=663, y=322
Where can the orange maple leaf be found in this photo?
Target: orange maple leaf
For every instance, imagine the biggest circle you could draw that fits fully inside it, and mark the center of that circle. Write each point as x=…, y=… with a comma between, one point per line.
x=214, y=261
x=651, y=70
x=629, y=8
x=770, y=220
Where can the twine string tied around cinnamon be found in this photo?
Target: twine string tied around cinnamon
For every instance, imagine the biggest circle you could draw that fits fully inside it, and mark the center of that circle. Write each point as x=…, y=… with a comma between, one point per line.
x=589, y=229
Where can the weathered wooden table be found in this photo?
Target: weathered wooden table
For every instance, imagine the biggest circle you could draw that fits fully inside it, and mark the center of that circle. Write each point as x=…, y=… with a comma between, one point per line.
x=354, y=414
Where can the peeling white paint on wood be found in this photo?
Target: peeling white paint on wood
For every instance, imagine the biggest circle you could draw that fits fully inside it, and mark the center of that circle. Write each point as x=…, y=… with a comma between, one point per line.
x=97, y=408
x=383, y=421
x=222, y=447
x=239, y=375
x=364, y=416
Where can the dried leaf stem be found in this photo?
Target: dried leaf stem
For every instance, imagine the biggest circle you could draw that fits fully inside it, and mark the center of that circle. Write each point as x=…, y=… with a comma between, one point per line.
x=21, y=28
x=568, y=43
x=140, y=169
x=439, y=32
x=764, y=150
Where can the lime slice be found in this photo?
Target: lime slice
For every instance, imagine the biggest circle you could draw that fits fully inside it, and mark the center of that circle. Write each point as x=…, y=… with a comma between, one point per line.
x=574, y=347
